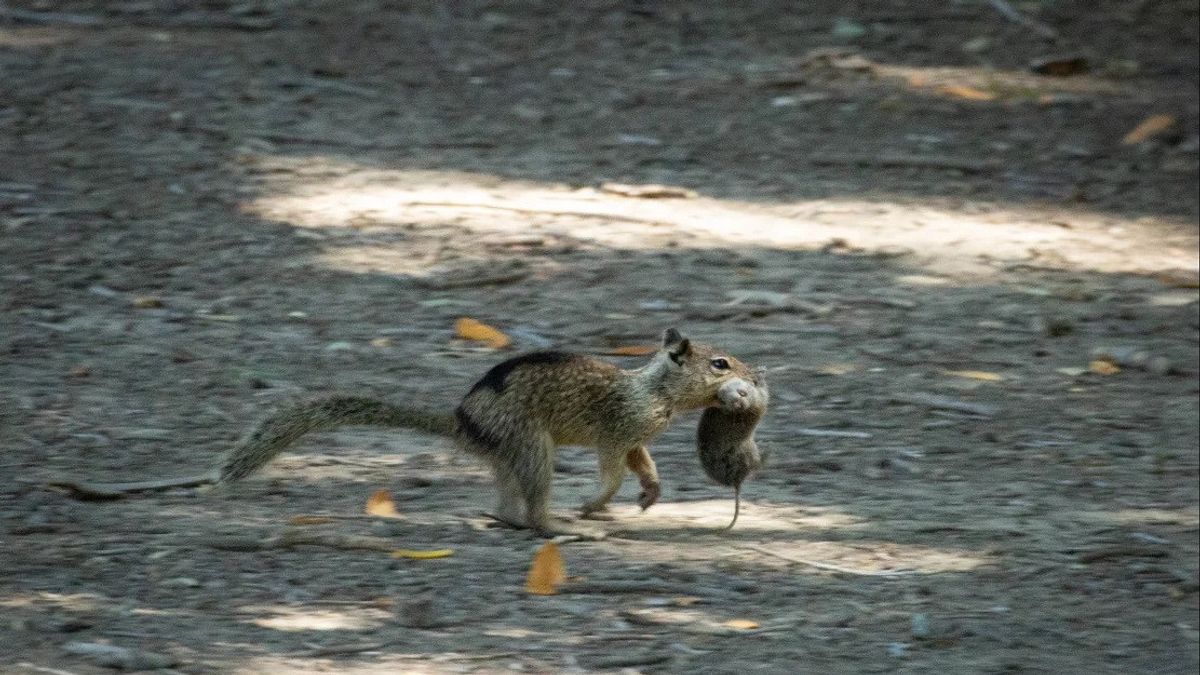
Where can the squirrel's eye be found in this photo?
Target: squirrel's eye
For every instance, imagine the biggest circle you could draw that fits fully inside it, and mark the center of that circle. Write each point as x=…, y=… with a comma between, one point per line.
x=720, y=364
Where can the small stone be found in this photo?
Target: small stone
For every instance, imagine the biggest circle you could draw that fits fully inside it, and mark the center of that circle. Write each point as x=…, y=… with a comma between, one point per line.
x=418, y=613
x=846, y=29
x=1060, y=66
x=68, y=625
x=977, y=45
x=1058, y=326
x=1160, y=365
x=920, y=626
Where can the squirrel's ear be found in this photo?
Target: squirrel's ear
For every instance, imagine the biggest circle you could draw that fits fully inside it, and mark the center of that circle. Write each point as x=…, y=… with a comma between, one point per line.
x=680, y=350
x=676, y=345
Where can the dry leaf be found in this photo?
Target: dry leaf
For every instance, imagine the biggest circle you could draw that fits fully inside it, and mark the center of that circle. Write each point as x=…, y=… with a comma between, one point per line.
x=741, y=624
x=1101, y=367
x=836, y=369
x=977, y=375
x=413, y=554
x=381, y=342
x=965, y=92
x=1148, y=128
x=632, y=350
x=309, y=520
x=547, y=571
x=470, y=329
x=147, y=302
x=79, y=371
x=1060, y=66
x=1071, y=372
x=380, y=504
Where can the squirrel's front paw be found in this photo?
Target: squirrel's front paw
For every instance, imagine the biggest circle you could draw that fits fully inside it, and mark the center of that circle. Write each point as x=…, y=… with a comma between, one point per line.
x=649, y=496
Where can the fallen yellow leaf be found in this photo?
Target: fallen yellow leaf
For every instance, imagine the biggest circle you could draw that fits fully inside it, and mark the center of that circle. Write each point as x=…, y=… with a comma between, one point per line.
x=381, y=342
x=309, y=520
x=1101, y=367
x=1148, y=128
x=837, y=368
x=547, y=571
x=380, y=504
x=413, y=554
x=148, y=302
x=965, y=92
x=742, y=624
x=470, y=329
x=633, y=350
x=977, y=375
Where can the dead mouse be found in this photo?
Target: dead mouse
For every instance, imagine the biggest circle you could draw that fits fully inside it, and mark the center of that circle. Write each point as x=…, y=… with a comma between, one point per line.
x=725, y=438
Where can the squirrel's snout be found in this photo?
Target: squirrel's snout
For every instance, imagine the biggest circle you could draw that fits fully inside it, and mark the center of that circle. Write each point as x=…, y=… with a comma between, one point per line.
x=740, y=398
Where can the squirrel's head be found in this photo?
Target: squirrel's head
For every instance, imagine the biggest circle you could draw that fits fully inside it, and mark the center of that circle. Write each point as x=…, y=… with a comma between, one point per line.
x=693, y=373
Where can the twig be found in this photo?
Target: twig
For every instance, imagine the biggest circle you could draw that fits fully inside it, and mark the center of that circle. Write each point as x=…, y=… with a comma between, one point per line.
x=544, y=212
x=474, y=281
x=44, y=669
x=309, y=520
x=1128, y=551
x=834, y=433
x=341, y=650
x=296, y=537
x=831, y=567
x=944, y=403
x=895, y=303
x=1009, y=12
x=358, y=143
x=347, y=542
x=331, y=85
x=48, y=18
x=630, y=661
x=101, y=491
x=907, y=161
x=451, y=657
x=641, y=587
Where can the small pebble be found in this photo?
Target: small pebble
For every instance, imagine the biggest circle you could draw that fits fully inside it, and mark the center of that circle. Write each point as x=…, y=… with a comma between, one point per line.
x=920, y=626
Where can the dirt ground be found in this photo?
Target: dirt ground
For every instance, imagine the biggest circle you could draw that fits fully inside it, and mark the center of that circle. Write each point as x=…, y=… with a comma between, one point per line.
x=975, y=298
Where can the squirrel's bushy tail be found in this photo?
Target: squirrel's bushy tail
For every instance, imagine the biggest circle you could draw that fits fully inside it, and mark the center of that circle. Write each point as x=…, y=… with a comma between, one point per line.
x=285, y=427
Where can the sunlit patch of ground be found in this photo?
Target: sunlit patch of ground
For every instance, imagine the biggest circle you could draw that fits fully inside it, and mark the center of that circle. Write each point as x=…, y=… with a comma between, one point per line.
x=285, y=618
x=348, y=206
x=78, y=602
x=1186, y=517
x=688, y=531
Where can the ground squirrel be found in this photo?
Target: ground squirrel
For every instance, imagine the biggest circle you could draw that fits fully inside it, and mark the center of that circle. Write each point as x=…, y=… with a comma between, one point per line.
x=725, y=437
x=515, y=417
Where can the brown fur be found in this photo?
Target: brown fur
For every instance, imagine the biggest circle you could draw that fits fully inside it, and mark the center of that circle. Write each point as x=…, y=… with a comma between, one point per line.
x=518, y=417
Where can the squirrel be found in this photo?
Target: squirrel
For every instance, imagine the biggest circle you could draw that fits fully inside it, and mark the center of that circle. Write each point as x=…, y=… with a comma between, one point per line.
x=725, y=437
x=514, y=418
